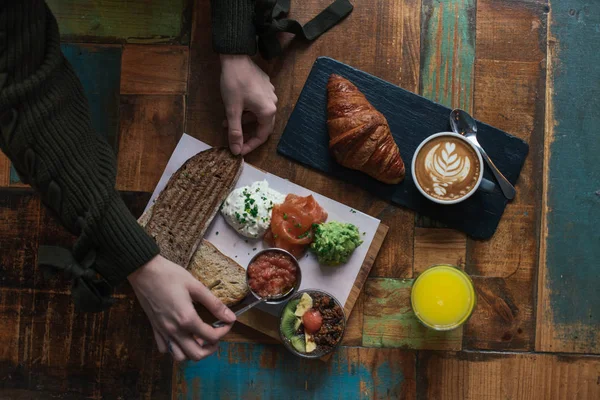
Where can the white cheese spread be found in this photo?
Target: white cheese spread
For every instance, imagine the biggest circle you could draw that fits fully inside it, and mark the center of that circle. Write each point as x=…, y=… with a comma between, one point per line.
x=248, y=209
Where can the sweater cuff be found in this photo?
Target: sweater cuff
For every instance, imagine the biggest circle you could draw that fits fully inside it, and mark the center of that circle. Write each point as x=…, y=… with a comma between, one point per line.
x=122, y=245
x=233, y=30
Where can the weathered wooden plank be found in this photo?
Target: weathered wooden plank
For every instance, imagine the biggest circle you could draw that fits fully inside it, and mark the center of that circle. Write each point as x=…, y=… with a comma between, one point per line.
x=154, y=69
x=150, y=129
x=568, y=297
x=19, y=227
x=438, y=246
x=48, y=349
x=4, y=170
x=99, y=69
x=135, y=21
x=447, y=63
x=508, y=93
x=503, y=316
x=54, y=350
x=471, y=375
x=448, y=52
x=390, y=322
x=252, y=371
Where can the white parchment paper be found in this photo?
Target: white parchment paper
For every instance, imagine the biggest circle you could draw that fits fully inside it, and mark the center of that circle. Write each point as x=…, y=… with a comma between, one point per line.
x=336, y=280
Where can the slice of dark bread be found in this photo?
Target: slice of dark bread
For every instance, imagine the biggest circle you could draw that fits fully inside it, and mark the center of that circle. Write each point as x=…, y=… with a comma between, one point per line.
x=187, y=205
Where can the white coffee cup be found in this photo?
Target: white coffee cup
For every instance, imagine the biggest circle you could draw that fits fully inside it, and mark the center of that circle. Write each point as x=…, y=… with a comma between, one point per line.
x=481, y=184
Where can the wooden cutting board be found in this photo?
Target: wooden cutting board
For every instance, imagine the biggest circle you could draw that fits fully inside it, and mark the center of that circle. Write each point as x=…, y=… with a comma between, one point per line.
x=412, y=118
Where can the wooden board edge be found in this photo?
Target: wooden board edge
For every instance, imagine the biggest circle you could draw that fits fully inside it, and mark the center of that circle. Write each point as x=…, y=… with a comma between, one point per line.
x=268, y=324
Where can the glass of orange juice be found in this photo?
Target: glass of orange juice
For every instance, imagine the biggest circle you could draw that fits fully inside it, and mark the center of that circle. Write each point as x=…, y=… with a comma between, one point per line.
x=443, y=297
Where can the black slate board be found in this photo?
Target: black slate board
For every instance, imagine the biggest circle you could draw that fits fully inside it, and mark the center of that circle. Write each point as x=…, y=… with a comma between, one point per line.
x=412, y=118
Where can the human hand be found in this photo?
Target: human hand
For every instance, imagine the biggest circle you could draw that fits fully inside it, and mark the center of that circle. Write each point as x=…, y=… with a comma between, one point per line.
x=245, y=87
x=166, y=292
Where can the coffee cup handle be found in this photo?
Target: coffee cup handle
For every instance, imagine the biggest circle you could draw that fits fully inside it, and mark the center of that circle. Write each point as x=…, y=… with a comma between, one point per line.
x=487, y=186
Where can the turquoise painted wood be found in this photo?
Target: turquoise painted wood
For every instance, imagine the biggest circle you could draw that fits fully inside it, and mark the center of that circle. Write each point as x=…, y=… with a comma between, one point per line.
x=447, y=60
x=448, y=52
x=99, y=70
x=573, y=242
x=253, y=371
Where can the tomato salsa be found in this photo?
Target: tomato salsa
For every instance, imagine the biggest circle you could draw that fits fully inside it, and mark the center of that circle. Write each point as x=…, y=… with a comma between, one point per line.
x=272, y=273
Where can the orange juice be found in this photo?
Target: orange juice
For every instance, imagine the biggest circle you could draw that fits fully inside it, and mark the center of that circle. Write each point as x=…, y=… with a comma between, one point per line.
x=443, y=297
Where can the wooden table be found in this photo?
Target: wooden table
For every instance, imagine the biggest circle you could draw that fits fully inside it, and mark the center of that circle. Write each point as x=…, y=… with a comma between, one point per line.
x=525, y=66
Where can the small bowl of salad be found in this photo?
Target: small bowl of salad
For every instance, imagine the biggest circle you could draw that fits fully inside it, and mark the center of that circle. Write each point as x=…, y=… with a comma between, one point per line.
x=312, y=323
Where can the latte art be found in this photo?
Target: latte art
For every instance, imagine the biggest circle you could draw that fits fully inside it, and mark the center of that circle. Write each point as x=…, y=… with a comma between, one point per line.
x=447, y=168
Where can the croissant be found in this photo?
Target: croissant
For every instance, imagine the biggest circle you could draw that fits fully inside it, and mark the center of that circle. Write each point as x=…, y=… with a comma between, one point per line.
x=359, y=135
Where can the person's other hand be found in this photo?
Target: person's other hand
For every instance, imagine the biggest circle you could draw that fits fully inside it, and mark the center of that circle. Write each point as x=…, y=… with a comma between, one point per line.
x=245, y=87
x=166, y=292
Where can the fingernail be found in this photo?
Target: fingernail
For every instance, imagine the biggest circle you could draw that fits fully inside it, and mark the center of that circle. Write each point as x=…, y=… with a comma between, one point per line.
x=230, y=315
x=236, y=149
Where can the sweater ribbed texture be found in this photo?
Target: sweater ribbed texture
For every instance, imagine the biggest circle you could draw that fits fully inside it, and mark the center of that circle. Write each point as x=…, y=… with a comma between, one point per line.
x=233, y=30
x=53, y=122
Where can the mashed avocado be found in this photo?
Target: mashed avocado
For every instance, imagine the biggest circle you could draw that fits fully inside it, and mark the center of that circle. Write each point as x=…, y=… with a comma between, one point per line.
x=334, y=242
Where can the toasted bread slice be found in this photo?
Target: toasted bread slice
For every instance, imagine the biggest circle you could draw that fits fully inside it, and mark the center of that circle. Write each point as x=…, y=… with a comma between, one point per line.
x=187, y=205
x=225, y=278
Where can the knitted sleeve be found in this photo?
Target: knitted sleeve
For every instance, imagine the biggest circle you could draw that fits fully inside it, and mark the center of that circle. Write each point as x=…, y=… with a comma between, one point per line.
x=233, y=30
x=46, y=132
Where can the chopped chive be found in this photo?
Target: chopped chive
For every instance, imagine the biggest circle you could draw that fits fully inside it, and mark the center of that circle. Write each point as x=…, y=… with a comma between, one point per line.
x=285, y=216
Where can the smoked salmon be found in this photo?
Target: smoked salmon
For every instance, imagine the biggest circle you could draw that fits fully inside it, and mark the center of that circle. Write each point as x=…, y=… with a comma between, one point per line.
x=292, y=223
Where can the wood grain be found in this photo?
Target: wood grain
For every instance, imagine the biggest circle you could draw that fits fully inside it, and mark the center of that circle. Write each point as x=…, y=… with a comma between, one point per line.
x=447, y=64
x=19, y=227
x=390, y=322
x=49, y=350
x=509, y=94
x=470, y=375
x=448, y=52
x=568, y=297
x=253, y=371
x=154, y=69
x=4, y=170
x=135, y=21
x=150, y=129
x=438, y=246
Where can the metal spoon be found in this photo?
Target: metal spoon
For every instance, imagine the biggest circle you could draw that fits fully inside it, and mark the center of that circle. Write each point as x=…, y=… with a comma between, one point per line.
x=239, y=312
x=463, y=124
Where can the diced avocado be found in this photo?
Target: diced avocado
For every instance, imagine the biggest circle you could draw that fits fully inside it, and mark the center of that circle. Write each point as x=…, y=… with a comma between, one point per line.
x=298, y=344
x=311, y=345
x=334, y=242
x=305, y=304
x=288, y=323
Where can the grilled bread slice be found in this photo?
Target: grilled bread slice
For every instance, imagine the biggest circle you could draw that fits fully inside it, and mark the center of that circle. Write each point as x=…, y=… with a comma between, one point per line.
x=225, y=278
x=187, y=205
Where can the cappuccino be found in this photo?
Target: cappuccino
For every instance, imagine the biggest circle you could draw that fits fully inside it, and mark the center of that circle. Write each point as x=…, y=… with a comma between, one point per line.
x=447, y=168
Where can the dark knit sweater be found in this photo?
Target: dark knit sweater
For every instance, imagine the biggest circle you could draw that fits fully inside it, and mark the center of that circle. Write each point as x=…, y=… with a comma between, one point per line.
x=46, y=132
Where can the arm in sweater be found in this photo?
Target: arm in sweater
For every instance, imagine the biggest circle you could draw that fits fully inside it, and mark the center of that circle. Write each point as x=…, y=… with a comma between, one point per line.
x=233, y=30
x=46, y=133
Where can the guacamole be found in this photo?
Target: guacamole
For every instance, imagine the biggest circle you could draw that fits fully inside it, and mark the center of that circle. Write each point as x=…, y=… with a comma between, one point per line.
x=334, y=242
